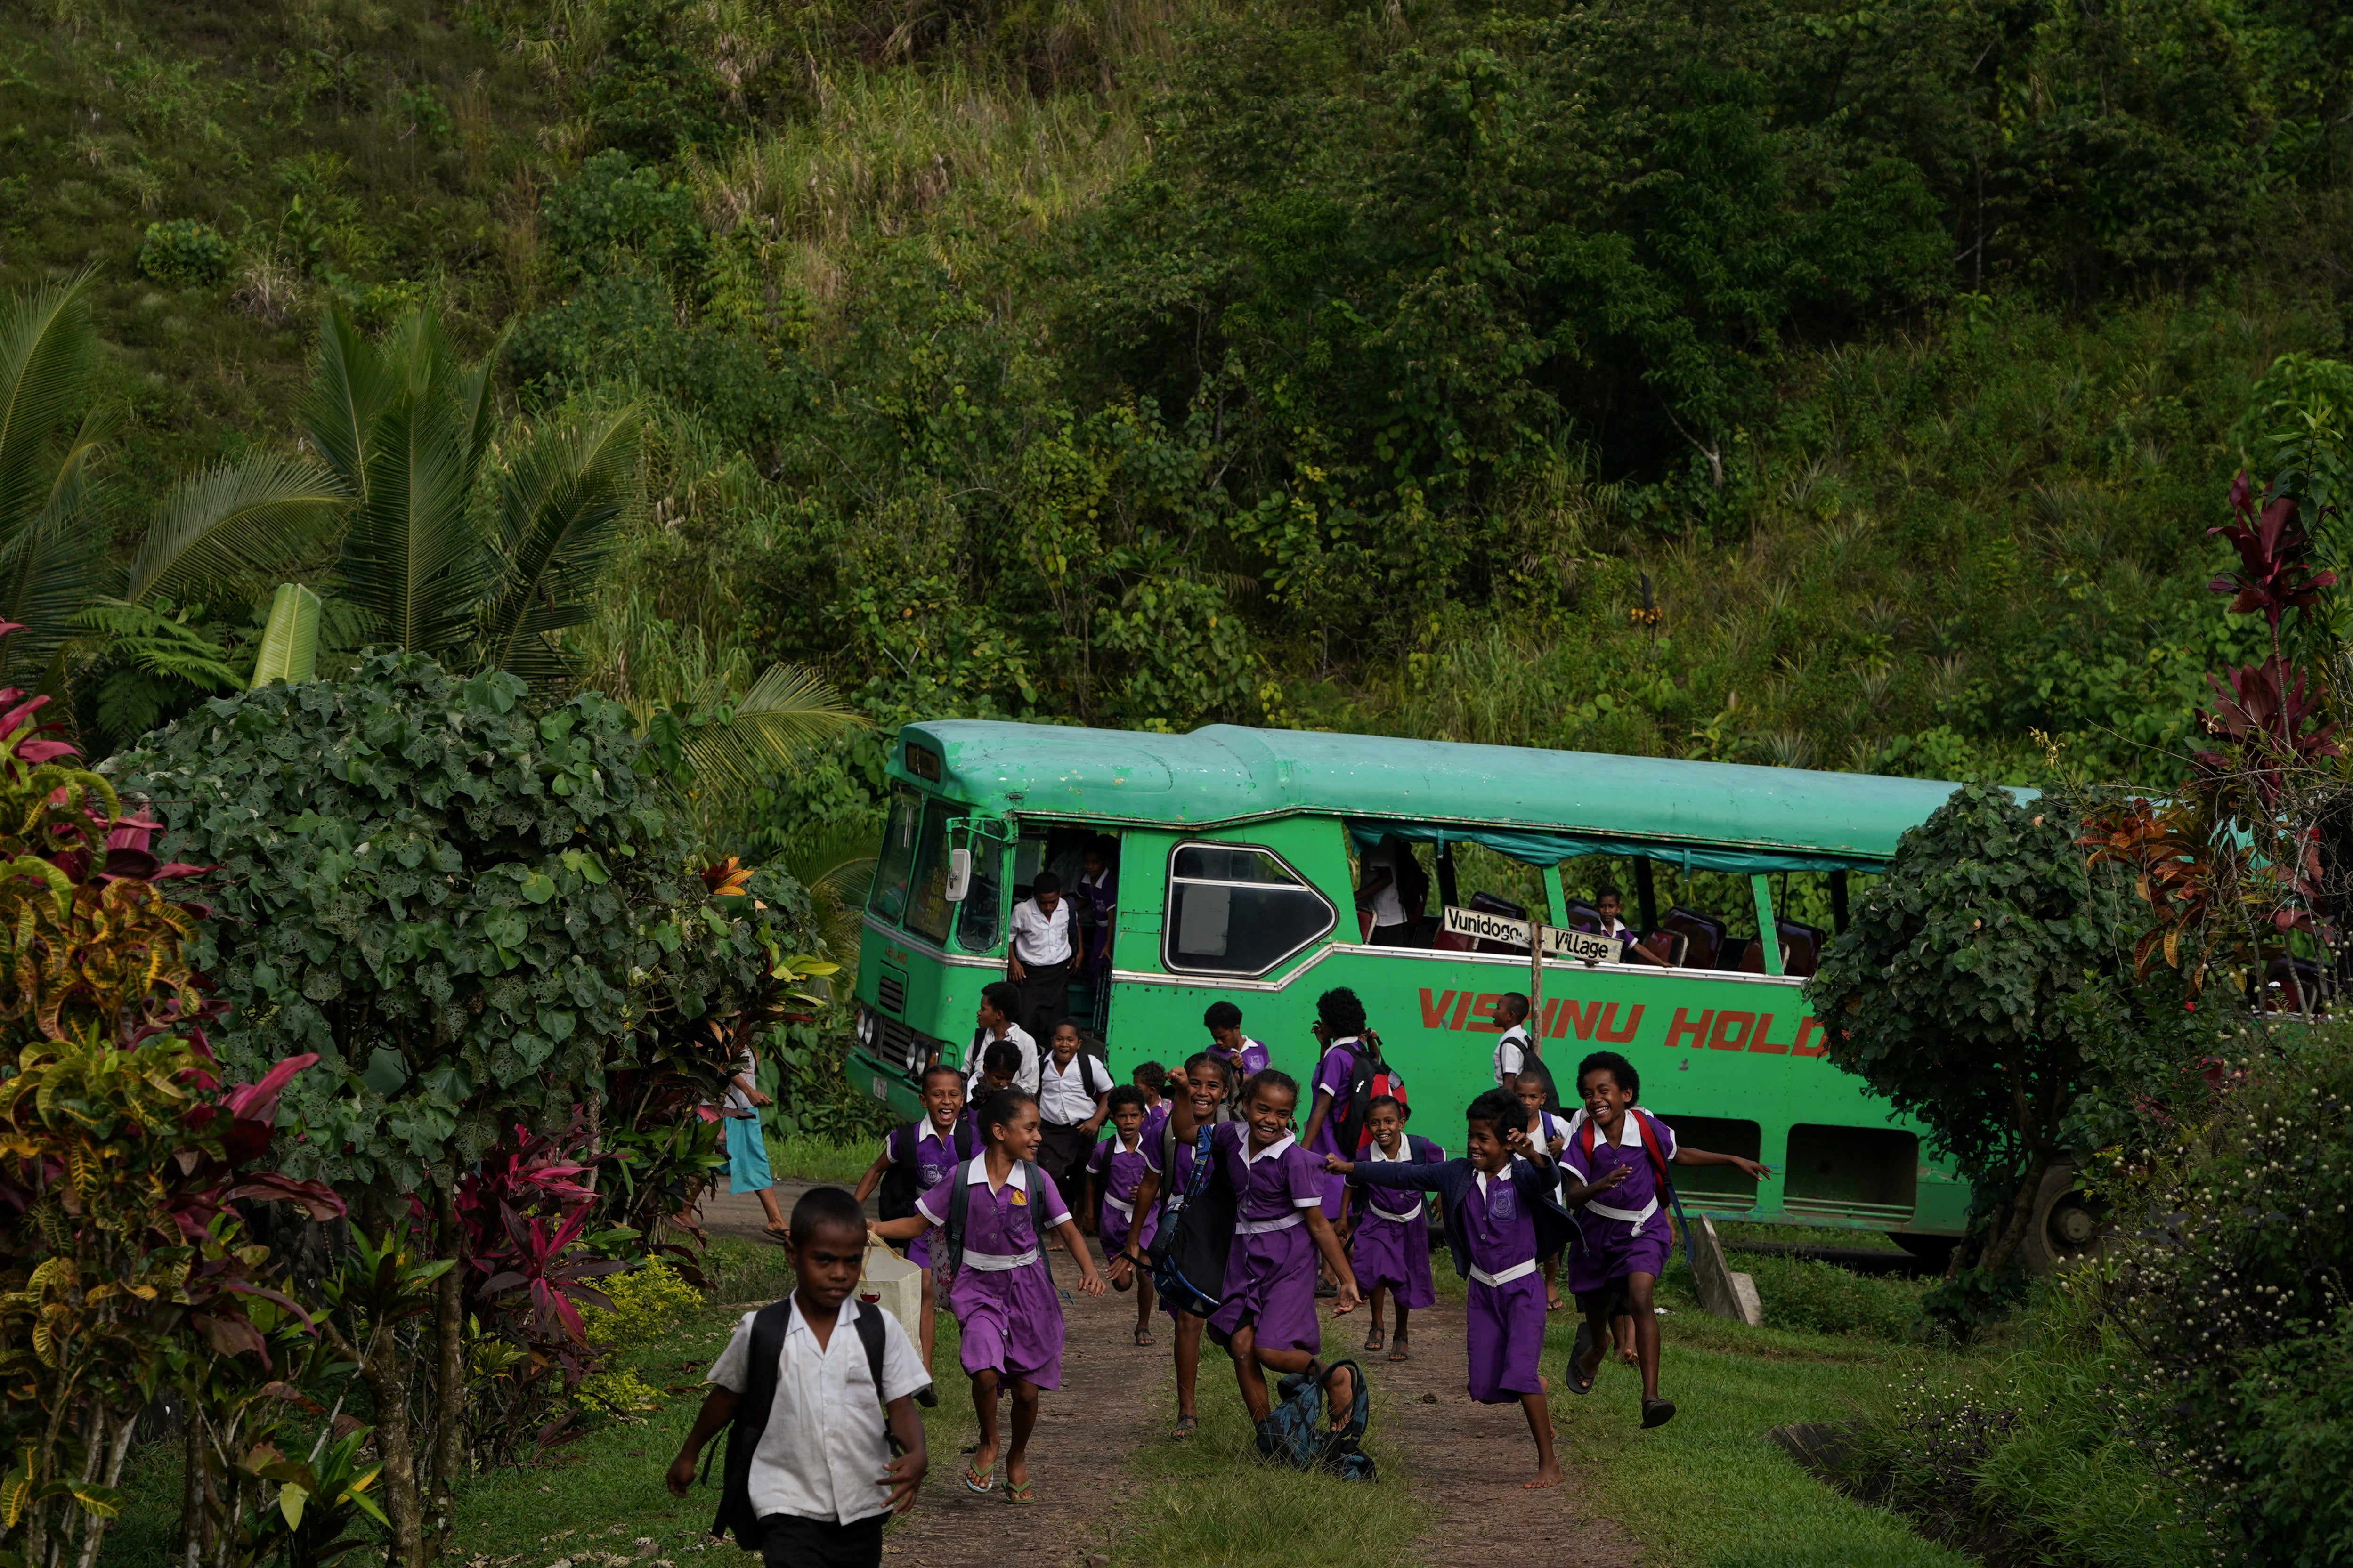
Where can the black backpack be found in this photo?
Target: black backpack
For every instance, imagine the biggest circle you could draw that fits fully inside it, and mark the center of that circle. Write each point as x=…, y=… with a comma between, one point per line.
x=767, y=1347
x=900, y=1189
x=1369, y=1078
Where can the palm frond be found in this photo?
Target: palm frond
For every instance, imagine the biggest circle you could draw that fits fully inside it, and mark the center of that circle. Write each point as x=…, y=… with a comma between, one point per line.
x=411, y=559
x=47, y=349
x=350, y=387
x=48, y=571
x=289, y=641
x=250, y=518
x=562, y=505
x=789, y=710
x=838, y=870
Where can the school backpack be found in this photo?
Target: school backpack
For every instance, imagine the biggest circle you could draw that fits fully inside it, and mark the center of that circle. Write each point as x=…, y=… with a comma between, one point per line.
x=1296, y=1432
x=1652, y=1145
x=960, y=1205
x=900, y=1187
x=1171, y=1245
x=1369, y=1078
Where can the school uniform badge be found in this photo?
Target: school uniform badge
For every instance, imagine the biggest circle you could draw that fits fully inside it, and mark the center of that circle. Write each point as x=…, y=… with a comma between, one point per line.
x=1020, y=1199
x=1505, y=1204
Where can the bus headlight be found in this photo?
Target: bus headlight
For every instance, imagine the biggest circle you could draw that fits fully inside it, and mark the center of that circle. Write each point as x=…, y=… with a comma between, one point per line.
x=869, y=1027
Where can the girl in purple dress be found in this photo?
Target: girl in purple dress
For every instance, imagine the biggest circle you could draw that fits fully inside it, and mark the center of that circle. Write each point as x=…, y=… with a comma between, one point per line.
x=1118, y=1166
x=1007, y=1312
x=1388, y=1237
x=923, y=1151
x=1616, y=1158
x=1205, y=1247
x=1267, y=1317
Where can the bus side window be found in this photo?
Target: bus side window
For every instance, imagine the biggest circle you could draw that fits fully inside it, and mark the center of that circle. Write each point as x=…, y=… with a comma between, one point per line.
x=897, y=859
x=927, y=905
x=1233, y=910
x=978, y=927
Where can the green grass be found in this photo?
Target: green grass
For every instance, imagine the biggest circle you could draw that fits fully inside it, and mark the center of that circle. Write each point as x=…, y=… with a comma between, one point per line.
x=806, y=1159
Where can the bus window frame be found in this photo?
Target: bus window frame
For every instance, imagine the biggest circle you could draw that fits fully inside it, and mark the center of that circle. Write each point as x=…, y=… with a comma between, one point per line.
x=1003, y=882
x=1169, y=882
x=916, y=869
x=881, y=883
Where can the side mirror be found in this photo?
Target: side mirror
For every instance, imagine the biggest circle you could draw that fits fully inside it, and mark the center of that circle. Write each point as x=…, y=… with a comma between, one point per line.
x=959, y=875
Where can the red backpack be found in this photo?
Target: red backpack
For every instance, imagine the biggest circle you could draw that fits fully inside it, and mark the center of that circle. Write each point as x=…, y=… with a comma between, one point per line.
x=1369, y=1078
x=1652, y=1144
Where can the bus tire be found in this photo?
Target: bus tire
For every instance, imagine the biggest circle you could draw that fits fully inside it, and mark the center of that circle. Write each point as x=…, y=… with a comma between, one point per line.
x=2069, y=1224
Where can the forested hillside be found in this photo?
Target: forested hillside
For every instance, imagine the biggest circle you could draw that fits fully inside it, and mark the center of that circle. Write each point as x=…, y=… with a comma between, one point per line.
x=1836, y=386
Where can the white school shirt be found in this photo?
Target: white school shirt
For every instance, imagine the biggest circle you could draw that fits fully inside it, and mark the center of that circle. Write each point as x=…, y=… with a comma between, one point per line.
x=830, y=1468
x=1511, y=1053
x=1039, y=938
x=1388, y=909
x=1026, y=1079
x=1068, y=1098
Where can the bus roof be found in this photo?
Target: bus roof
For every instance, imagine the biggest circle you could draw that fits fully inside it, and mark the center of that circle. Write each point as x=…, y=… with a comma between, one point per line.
x=1536, y=804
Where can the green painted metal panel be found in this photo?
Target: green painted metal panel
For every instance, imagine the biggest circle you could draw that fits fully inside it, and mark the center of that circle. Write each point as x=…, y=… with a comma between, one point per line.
x=1781, y=817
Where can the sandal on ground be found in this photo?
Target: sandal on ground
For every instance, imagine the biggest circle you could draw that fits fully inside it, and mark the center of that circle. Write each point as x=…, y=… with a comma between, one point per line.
x=1143, y=1337
x=1578, y=1383
x=1376, y=1339
x=1026, y=1492
x=1185, y=1424
x=1398, y=1351
x=1657, y=1413
x=1553, y=1303
x=980, y=1482
x=1326, y=1289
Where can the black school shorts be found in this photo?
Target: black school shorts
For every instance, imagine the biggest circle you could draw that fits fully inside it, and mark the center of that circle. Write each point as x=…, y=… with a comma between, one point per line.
x=788, y=1540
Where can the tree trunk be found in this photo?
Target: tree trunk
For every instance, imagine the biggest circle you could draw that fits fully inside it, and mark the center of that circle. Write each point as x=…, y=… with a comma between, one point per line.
x=449, y=1386
x=2011, y=1234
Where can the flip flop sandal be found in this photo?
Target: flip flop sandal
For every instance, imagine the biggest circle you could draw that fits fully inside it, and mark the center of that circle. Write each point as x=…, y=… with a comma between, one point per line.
x=980, y=1483
x=1026, y=1491
x=1185, y=1424
x=1657, y=1413
x=1143, y=1337
x=1377, y=1340
x=1399, y=1353
x=1554, y=1303
x=1568, y=1374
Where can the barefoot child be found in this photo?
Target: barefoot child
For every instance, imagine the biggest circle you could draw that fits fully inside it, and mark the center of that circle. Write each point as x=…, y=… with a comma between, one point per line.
x=1389, y=1239
x=1206, y=1242
x=810, y=1477
x=1617, y=1161
x=1549, y=1133
x=1501, y=1219
x=1118, y=1167
x=997, y=1209
x=914, y=1158
x=1267, y=1317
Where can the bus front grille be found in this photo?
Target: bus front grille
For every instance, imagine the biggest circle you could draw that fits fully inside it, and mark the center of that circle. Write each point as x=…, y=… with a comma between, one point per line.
x=890, y=991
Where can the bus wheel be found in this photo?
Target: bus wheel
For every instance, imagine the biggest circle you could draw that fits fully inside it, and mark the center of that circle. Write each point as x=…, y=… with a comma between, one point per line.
x=2069, y=1223
x=1936, y=1251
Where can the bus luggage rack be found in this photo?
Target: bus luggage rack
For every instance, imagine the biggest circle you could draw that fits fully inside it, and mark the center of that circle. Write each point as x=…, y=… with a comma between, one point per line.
x=1832, y=1208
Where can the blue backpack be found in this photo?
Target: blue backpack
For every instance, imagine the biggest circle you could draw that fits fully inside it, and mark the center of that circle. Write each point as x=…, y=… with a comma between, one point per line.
x=1296, y=1433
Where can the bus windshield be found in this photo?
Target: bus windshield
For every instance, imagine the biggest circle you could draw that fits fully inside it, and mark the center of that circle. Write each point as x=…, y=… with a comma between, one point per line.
x=898, y=857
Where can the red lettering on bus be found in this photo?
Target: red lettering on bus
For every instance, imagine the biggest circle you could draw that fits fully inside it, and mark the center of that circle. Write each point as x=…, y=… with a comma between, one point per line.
x=1612, y=1037
x=1758, y=1041
x=1435, y=1018
x=1462, y=1009
x=1683, y=1026
x=1544, y=1024
x=1720, y=1038
x=1482, y=1011
x=1581, y=1018
x=1806, y=1031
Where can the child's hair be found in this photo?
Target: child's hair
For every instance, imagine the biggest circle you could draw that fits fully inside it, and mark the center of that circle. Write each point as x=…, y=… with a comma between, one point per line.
x=1151, y=1076
x=1001, y=1108
x=936, y=1068
x=1003, y=995
x=1126, y=1094
x=1054, y=1031
x=1222, y=1015
x=1498, y=1107
x=1268, y=1077
x=1002, y=1056
x=1533, y=1078
x=1514, y=1004
x=1620, y=1069
x=1392, y=1102
x=821, y=1207
x=1046, y=882
x=1216, y=1064
x=1606, y=891
x=1341, y=1012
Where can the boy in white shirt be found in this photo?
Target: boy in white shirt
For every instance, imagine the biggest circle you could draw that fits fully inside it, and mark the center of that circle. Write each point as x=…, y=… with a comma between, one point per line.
x=810, y=1477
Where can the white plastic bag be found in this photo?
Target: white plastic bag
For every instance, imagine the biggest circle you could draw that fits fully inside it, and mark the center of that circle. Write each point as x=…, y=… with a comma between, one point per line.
x=891, y=1282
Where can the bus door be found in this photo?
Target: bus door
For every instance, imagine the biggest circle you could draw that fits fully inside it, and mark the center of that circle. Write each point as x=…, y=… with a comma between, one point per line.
x=1085, y=859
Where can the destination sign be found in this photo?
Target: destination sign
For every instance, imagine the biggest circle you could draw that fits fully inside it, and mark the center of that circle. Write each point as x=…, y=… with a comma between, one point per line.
x=1582, y=947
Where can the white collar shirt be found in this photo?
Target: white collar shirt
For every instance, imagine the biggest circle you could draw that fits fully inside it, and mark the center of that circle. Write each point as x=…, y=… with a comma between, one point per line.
x=824, y=1451
x=1066, y=1095
x=1040, y=938
x=1026, y=1079
x=1511, y=1053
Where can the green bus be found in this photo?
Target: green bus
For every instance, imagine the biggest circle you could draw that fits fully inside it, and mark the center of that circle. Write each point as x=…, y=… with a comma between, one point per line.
x=1238, y=855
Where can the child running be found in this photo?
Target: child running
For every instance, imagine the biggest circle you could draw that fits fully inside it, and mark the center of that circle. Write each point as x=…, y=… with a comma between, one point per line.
x=1614, y=1184
x=1267, y=1316
x=1388, y=1240
x=915, y=1156
x=810, y=1477
x=998, y=1208
x=1549, y=1133
x=1501, y=1220
x=1200, y=1254
x=1118, y=1167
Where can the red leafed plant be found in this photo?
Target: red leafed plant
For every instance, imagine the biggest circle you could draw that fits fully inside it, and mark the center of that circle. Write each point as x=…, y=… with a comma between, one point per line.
x=2274, y=574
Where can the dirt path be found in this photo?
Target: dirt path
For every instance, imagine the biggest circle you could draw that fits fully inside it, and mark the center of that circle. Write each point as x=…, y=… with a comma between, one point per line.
x=1466, y=1461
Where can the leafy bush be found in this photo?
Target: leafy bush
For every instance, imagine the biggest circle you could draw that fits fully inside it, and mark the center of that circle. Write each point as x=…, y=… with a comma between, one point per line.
x=185, y=254
x=1824, y=1298
x=648, y=1302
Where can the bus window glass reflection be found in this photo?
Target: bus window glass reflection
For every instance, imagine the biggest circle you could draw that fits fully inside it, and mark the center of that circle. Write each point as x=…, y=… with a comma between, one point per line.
x=1238, y=911
x=898, y=858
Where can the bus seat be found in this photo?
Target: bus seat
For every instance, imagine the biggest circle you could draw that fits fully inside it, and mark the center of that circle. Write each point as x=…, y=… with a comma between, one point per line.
x=1363, y=922
x=1801, y=949
x=1677, y=944
x=1733, y=954
x=1584, y=916
x=1496, y=904
x=1450, y=941
x=1703, y=936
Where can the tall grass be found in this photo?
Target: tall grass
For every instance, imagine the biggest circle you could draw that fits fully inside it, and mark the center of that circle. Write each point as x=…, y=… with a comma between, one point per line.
x=803, y=1158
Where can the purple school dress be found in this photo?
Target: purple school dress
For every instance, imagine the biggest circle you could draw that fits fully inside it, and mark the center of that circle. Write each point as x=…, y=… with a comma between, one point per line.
x=1390, y=1245
x=1332, y=1075
x=933, y=1157
x=1121, y=1170
x=1271, y=1272
x=1245, y=1063
x=1503, y=1314
x=1624, y=1231
x=1009, y=1315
